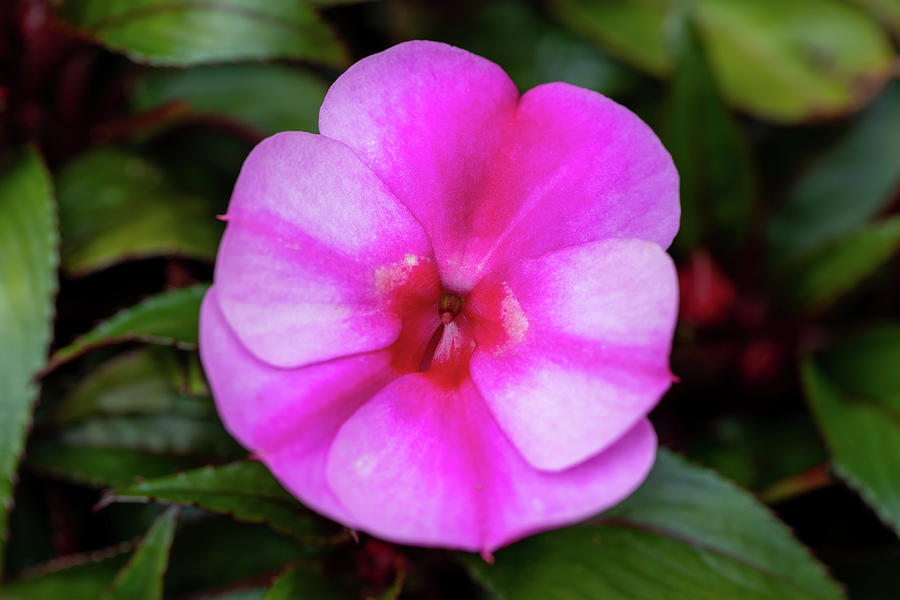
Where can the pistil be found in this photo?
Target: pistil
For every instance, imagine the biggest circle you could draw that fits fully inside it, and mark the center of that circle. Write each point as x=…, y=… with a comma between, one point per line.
x=449, y=307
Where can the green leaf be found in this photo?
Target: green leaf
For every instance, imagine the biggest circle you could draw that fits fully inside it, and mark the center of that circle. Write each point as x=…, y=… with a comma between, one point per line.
x=31, y=533
x=79, y=577
x=812, y=58
x=534, y=50
x=169, y=318
x=866, y=364
x=217, y=552
x=115, y=206
x=245, y=490
x=307, y=583
x=327, y=3
x=268, y=98
x=870, y=575
x=155, y=433
x=686, y=533
x=712, y=157
x=853, y=390
x=206, y=555
x=132, y=402
x=100, y=467
x=142, y=577
x=256, y=593
x=191, y=381
x=848, y=185
x=886, y=11
x=839, y=266
x=630, y=29
x=137, y=382
x=182, y=32
x=28, y=282
x=758, y=453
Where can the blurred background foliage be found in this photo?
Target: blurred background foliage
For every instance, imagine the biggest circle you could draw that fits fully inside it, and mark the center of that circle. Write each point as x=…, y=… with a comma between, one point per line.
x=123, y=125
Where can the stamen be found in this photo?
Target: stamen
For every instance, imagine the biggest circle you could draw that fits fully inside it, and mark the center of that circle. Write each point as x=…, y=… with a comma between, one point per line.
x=449, y=307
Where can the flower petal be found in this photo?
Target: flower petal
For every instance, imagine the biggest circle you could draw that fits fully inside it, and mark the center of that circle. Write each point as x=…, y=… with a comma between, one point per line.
x=573, y=347
x=428, y=118
x=425, y=464
x=313, y=235
x=493, y=178
x=576, y=168
x=288, y=417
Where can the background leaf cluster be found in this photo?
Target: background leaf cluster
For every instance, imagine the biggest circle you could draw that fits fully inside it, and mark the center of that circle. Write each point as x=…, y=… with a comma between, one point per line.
x=123, y=124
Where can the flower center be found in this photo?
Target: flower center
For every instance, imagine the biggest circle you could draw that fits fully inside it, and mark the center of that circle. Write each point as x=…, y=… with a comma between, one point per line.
x=449, y=307
x=436, y=335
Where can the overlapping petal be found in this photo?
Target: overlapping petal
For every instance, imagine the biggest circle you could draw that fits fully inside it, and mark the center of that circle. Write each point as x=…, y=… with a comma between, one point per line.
x=492, y=177
x=576, y=167
x=287, y=416
x=323, y=341
x=423, y=464
x=429, y=119
x=411, y=460
x=573, y=346
x=313, y=236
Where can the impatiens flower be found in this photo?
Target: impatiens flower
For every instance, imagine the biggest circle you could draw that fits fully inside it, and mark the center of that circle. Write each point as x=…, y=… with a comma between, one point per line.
x=444, y=320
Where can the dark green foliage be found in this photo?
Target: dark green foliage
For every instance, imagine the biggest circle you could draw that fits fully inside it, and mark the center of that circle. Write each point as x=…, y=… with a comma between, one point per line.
x=302, y=583
x=76, y=578
x=163, y=32
x=115, y=205
x=783, y=61
x=853, y=389
x=169, y=318
x=849, y=184
x=28, y=262
x=244, y=490
x=783, y=119
x=141, y=577
x=837, y=267
x=709, y=150
x=685, y=533
x=217, y=553
x=100, y=467
x=242, y=93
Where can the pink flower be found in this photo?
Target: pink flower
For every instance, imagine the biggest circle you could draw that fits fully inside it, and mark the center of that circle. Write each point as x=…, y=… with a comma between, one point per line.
x=444, y=320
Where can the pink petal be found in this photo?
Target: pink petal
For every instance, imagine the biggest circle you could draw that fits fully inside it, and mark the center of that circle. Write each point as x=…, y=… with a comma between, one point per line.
x=314, y=240
x=429, y=119
x=576, y=168
x=427, y=465
x=573, y=347
x=492, y=180
x=288, y=417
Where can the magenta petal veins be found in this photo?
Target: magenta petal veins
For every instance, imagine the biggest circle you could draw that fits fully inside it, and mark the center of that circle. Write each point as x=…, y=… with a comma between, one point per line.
x=444, y=320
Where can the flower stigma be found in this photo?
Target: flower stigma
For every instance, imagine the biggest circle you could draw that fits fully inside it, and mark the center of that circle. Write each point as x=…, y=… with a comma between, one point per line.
x=449, y=307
